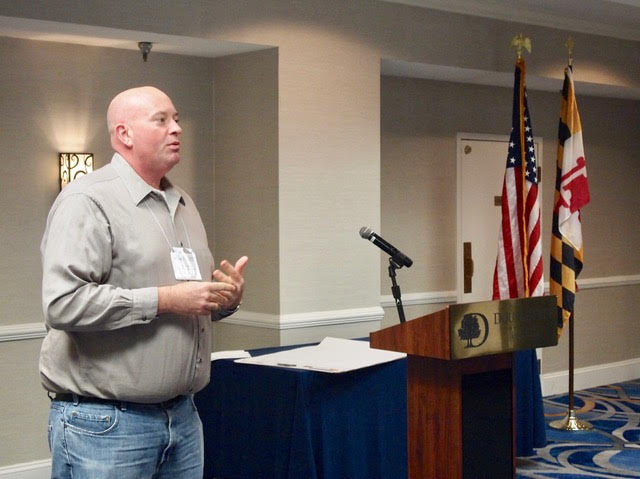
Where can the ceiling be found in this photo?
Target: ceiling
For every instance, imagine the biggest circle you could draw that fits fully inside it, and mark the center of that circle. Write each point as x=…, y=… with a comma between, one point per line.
x=96, y=36
x=612, y=18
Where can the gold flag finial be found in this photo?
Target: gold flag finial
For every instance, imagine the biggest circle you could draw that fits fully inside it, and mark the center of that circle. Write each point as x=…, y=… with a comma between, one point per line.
x=569, y=44
x=520, y=42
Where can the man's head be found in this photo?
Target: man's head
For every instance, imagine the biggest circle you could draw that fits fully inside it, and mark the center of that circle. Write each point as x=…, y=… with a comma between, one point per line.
x=144, y=129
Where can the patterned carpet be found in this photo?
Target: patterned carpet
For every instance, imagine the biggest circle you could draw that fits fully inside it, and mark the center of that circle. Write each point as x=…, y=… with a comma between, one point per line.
x=611, y=449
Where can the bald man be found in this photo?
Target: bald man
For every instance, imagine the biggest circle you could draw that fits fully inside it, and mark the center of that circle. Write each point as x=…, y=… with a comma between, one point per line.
x=129, y=290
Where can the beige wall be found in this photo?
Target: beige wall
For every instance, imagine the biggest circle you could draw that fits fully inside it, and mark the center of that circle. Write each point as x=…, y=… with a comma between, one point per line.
x=330, y=155
x=246, y=171
x=26, y=406
x=420, y=120
x=605, y=330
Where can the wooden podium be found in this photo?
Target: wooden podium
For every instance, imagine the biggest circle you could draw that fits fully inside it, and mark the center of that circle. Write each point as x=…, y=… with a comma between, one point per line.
x=460, y=396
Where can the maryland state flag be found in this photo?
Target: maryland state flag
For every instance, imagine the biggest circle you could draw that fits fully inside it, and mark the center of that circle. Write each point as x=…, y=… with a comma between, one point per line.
x=572, y=193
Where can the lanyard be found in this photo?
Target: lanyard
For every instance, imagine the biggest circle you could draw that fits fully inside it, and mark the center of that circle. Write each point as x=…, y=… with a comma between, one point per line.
x=186, y=233
x=183, y=260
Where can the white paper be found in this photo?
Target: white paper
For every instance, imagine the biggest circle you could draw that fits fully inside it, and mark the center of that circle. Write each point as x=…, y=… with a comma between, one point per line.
x=229, y=355
x=332, y=355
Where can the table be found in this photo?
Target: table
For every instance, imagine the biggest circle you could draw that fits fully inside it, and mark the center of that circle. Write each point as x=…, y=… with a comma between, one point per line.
x=272, y=422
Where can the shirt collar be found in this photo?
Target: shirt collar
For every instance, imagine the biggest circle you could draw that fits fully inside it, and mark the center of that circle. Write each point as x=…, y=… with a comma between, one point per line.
x=140, y=189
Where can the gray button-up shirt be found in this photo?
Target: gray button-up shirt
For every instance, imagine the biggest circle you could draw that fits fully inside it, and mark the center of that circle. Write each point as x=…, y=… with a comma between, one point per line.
x=105, y=251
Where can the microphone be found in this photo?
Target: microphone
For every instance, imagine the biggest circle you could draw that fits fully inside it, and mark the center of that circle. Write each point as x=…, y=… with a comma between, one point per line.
x=397, y=256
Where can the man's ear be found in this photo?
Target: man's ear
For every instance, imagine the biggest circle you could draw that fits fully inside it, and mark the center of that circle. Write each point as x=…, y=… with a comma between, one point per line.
x=123, y=134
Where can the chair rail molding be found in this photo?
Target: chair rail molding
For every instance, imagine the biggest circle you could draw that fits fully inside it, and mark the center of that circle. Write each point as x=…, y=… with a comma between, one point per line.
x=23, y=331
x=20, y=331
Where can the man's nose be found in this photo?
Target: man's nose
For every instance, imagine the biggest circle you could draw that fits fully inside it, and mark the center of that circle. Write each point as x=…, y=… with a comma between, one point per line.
x=175, y=127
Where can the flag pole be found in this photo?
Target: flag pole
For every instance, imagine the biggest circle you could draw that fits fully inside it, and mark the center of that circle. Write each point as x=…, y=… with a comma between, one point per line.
x=571, y=422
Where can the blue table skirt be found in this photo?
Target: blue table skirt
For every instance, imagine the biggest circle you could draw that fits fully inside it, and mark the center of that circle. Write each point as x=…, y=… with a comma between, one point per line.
x=267, y=422
x=530, y=425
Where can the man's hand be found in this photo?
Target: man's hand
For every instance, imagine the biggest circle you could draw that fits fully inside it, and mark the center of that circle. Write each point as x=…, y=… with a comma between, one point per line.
x=193, y=297
x=203, y=297
x=231, y=275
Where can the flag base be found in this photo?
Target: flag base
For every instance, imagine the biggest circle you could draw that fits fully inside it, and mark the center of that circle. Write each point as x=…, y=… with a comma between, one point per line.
x=571, y=423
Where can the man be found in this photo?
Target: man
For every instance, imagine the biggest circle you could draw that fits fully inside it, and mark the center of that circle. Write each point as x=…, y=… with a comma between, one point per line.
x=129, y=292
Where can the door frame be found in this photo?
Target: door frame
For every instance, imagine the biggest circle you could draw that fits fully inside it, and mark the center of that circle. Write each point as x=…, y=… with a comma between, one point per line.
x=459, y=257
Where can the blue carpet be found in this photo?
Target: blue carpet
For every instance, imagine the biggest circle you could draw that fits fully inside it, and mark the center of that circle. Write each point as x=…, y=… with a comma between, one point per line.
x=611, y=449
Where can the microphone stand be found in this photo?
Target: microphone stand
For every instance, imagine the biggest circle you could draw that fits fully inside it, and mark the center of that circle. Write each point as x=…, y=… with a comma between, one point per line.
x=395, y=289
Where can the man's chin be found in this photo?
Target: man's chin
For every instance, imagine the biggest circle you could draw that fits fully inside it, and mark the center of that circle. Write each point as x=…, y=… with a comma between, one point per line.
x=173, y=160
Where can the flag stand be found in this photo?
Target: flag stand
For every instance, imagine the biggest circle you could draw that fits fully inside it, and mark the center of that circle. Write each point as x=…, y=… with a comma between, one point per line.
x=567, y=253
x=571, y=421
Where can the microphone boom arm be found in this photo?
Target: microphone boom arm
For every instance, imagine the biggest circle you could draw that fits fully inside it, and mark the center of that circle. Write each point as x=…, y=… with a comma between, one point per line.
x=395, y=289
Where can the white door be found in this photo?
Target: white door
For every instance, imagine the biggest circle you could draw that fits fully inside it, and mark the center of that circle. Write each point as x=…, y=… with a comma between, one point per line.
x=481, y=165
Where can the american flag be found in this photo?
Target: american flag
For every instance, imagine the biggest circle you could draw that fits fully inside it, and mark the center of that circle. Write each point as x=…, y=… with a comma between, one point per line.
x=572, y=193
x=518, y=271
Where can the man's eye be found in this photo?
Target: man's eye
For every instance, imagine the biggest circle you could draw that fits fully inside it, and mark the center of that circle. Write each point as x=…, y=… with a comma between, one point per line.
x=160, y=120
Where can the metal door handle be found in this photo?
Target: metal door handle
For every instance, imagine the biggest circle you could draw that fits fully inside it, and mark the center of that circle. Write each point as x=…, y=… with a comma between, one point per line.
x=467, y=266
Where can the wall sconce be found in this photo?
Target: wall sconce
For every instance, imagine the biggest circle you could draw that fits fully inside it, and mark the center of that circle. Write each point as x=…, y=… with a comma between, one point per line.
x=73, y=165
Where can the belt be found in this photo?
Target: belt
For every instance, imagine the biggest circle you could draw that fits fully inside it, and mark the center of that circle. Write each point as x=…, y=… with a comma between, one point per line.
x=89, y=399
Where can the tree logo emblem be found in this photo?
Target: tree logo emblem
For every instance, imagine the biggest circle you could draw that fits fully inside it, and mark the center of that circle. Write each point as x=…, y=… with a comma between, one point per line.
x=472, y=327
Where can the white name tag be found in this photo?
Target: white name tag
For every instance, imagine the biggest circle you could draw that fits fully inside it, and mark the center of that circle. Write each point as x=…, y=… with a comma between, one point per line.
x=185, y=265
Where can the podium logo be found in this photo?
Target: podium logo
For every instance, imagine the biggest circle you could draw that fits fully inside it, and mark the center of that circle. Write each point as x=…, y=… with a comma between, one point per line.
x=473, y=326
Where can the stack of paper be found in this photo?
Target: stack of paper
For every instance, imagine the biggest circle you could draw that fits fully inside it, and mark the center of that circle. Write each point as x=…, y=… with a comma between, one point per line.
x=332, y=355
x=229, y=354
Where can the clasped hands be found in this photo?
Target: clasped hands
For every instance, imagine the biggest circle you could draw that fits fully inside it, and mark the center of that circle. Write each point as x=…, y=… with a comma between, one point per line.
x=224, y=292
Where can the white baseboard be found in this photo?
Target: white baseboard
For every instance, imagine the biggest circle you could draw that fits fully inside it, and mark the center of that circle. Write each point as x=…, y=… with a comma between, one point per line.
x=591, y=376
x=28, y=470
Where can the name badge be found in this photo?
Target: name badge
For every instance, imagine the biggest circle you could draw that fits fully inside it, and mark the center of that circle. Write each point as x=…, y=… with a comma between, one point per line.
x=185, y=265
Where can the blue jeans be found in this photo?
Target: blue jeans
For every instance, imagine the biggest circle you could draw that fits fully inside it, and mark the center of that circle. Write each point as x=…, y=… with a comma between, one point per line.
x=126, y=440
